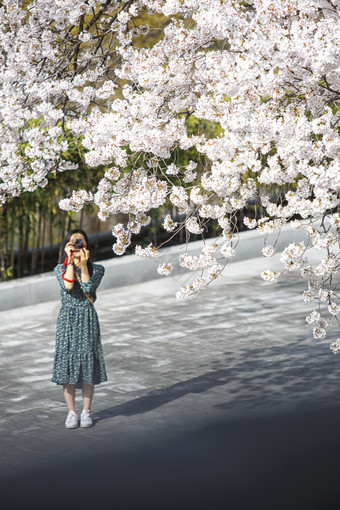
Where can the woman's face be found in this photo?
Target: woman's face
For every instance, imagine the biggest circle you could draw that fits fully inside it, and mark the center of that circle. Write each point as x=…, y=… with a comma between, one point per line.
x=73, y=239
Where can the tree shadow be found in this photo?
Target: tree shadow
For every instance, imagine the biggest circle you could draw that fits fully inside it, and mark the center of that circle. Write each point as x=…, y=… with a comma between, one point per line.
x=159, y=397
x=258, y=378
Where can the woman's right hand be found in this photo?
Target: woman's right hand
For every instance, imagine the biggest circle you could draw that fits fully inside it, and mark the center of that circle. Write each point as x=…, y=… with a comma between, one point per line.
x=69, y=249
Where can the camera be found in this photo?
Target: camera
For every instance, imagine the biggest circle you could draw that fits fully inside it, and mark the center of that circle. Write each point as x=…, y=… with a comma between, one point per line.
x=78, y=244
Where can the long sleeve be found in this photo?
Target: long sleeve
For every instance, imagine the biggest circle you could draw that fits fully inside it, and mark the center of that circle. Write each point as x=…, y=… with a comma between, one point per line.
x=92, y=284
x=58, y=273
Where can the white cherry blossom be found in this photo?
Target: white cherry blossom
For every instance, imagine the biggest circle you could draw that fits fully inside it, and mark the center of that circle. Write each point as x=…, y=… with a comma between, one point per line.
x=263, y=73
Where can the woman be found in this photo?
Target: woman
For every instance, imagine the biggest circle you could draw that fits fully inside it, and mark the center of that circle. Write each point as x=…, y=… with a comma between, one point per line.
x=79, y=361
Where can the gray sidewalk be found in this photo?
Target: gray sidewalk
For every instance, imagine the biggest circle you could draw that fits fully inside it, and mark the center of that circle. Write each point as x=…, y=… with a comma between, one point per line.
x=238, y=354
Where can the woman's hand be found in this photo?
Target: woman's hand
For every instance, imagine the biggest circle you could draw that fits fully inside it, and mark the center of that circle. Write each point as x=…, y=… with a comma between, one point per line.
x=69, y=273
x=84, y=256
x=69, y=249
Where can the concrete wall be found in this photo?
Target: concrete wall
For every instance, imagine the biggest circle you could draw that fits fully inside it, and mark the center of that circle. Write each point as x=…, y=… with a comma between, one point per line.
x=130, y=269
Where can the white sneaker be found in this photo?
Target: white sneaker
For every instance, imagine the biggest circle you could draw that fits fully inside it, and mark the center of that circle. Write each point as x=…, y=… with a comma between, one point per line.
x=71, y=420
x=85, y=419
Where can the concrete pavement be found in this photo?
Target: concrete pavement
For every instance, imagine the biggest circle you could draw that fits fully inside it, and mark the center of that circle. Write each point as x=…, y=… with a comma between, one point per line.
x=205, y=398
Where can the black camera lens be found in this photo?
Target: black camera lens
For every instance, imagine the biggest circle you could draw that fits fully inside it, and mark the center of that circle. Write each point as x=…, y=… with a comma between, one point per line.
x=78, y=244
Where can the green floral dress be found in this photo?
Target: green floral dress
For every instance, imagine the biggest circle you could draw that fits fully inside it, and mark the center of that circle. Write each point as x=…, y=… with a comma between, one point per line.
x=79, y=355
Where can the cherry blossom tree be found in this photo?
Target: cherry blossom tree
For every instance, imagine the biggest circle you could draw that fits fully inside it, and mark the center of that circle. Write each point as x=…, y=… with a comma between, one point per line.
x=265, y=72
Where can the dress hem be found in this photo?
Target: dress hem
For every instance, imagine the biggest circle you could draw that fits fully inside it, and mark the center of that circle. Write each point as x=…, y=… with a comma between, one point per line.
x=79, y=384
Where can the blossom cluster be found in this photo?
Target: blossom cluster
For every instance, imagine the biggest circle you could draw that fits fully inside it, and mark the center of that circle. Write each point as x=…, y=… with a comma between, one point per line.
x=266, y=73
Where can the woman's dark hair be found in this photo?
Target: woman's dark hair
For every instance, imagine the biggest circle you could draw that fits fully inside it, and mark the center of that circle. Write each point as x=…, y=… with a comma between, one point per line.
x=67, y=240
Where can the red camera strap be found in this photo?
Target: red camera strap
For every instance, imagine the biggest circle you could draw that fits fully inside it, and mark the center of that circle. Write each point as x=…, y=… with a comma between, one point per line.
x=63, y=271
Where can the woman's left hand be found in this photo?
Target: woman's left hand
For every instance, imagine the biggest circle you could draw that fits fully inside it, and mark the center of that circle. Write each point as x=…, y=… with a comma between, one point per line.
x=84, y=256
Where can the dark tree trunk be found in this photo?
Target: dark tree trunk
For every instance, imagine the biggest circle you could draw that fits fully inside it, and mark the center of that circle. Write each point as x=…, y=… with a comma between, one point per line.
x=62, y=237
x=27, y=235
x=34, y=248
x=21, y=242
x=42, y=259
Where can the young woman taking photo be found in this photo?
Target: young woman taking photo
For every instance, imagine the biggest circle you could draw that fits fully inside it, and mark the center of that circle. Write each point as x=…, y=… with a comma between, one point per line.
x=78, y=361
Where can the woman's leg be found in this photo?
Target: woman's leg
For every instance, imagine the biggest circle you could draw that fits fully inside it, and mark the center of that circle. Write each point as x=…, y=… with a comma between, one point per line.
x=88, y=390
x=69, y=395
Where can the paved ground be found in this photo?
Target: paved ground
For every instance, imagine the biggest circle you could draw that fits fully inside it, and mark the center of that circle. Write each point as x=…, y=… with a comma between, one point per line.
x=223, y=401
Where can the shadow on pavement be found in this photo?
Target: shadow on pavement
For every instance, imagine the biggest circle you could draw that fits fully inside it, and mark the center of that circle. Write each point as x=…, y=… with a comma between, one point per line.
x=160, y=397
x=263, y=378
